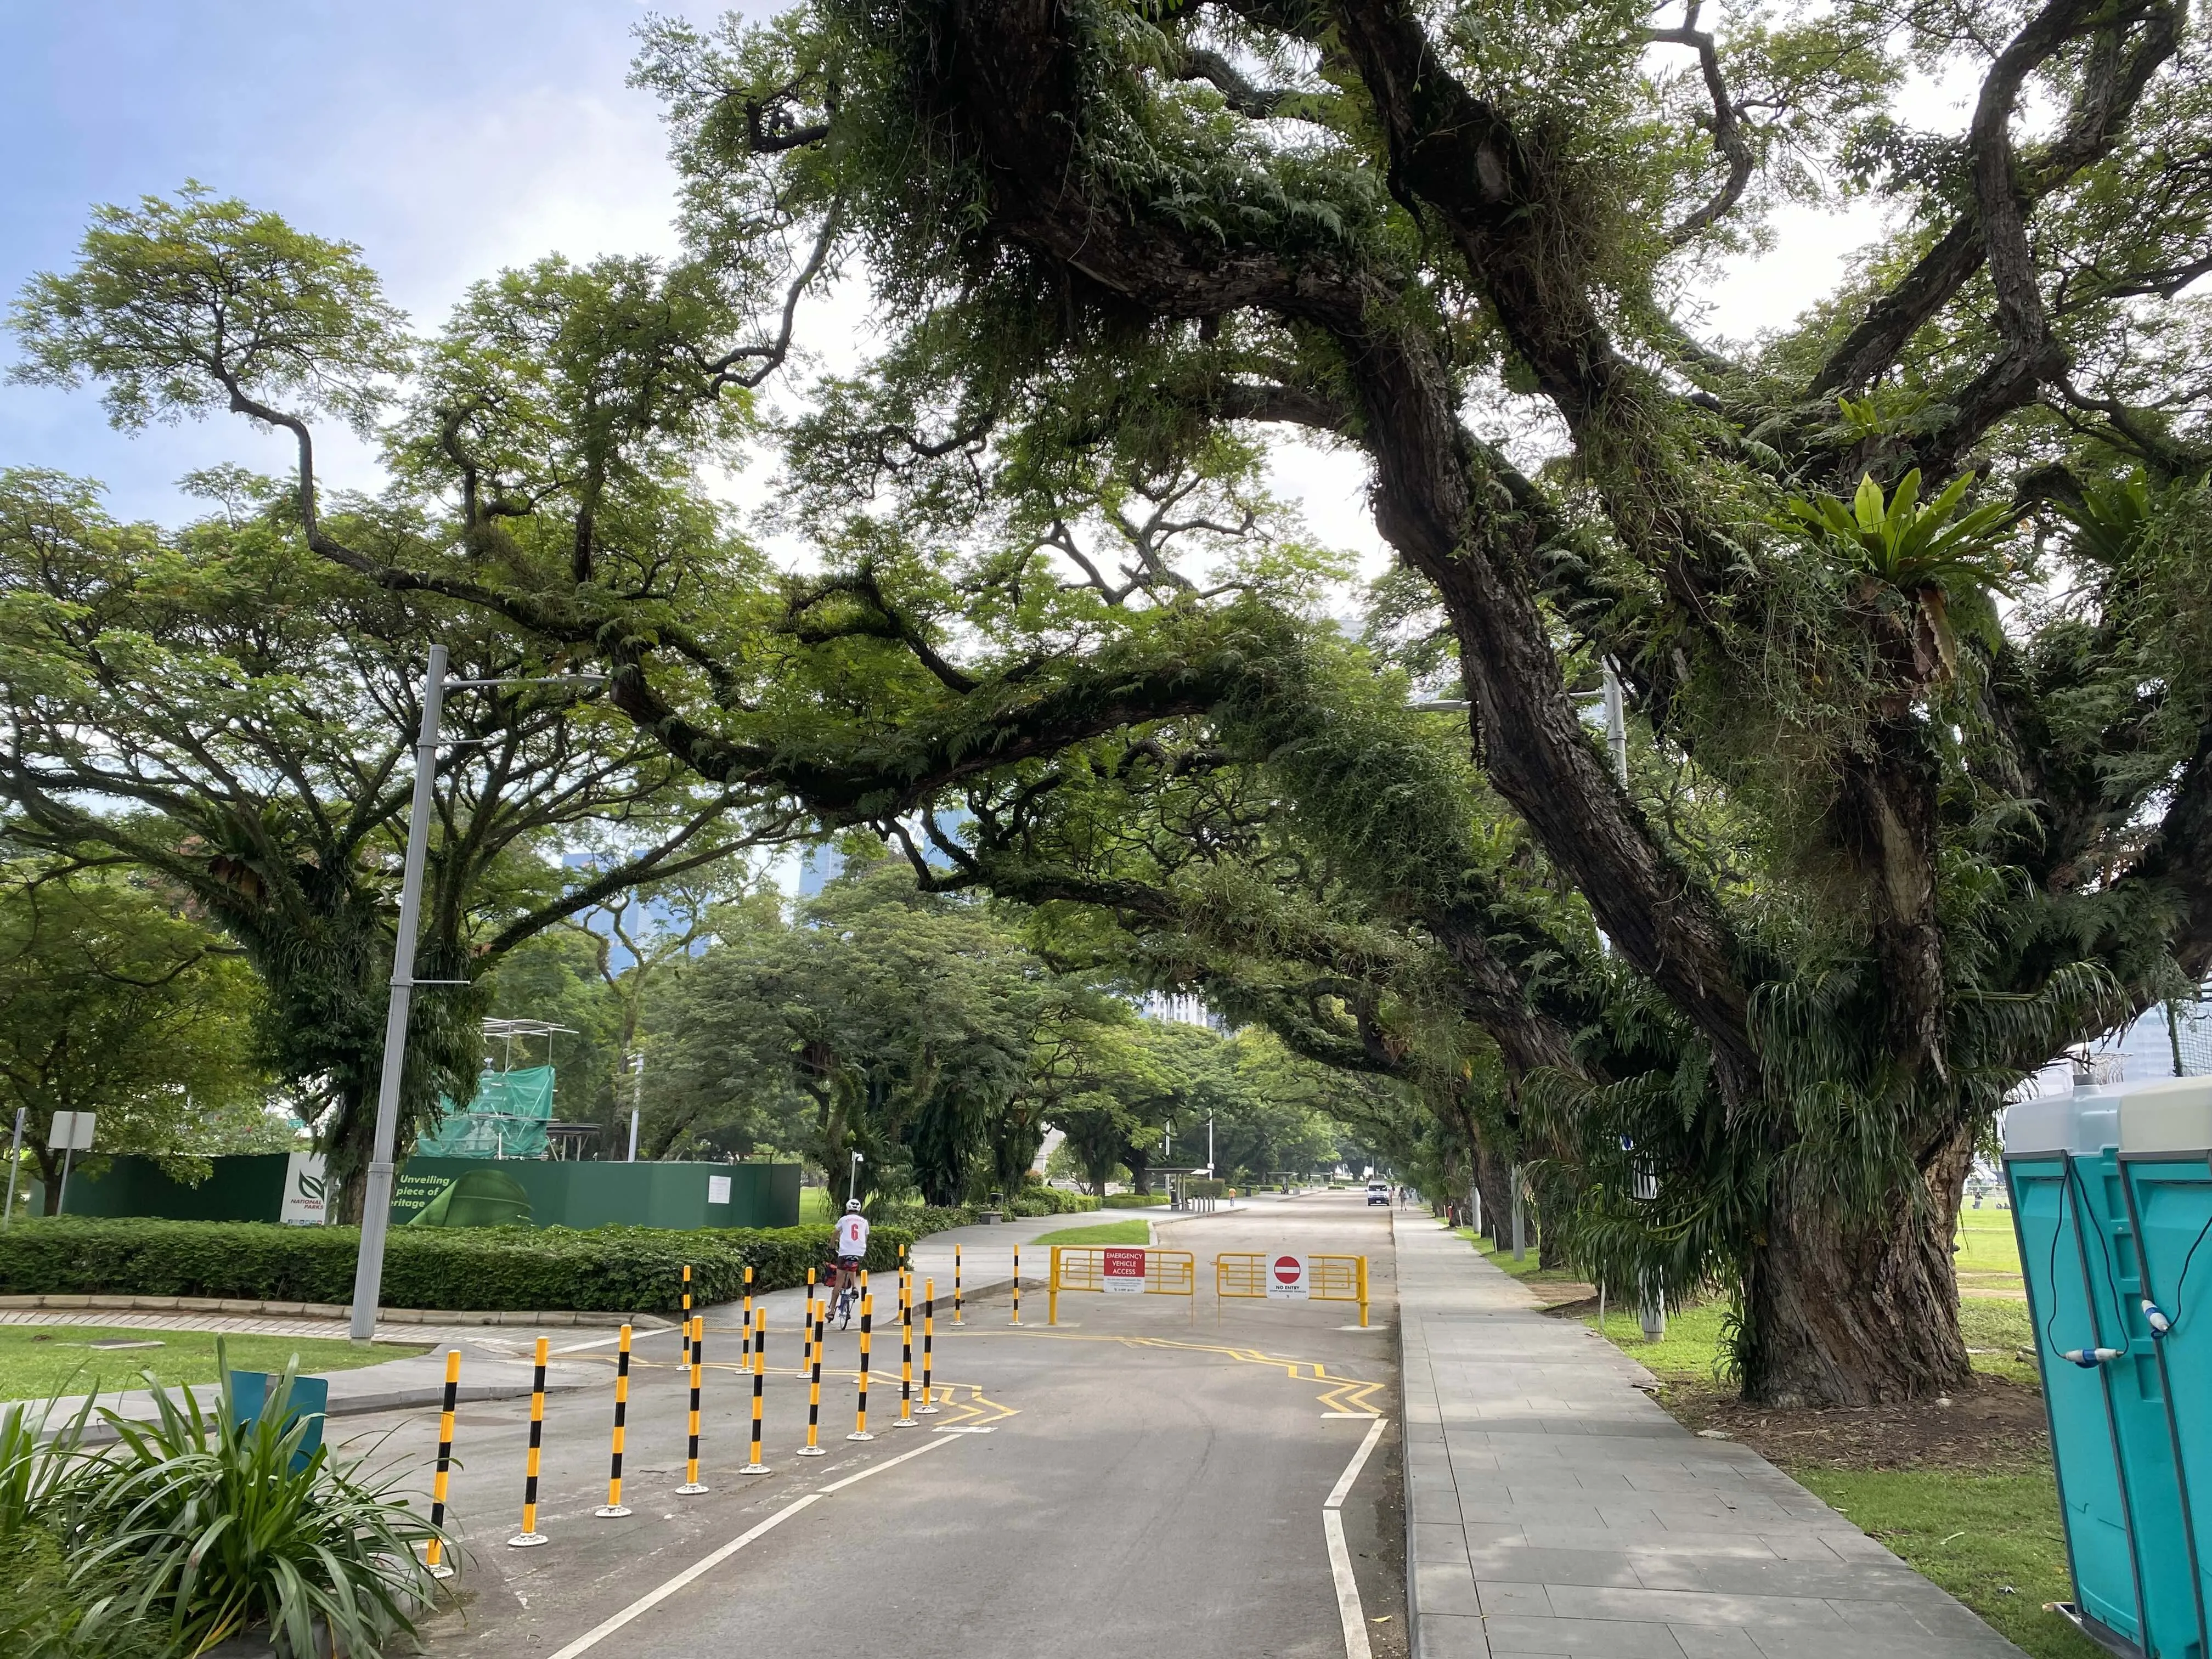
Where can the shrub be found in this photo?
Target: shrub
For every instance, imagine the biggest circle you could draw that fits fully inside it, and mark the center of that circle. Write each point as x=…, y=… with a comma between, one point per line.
x=490, y=1269
x=930, y=1218
x=1132, y=1200
x=1051, y=1201
x=215, y=1528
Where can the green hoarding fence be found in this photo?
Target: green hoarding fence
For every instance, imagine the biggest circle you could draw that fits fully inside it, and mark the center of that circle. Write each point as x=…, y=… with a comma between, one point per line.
x=468, y=1192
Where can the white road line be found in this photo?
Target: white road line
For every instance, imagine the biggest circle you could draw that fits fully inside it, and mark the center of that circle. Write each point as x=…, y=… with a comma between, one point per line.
x=1350, y=1614
x=654, y=1598
x=1343, y=1487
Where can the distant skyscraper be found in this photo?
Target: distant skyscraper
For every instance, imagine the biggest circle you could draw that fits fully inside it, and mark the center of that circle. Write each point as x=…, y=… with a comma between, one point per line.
x=1179, y=1008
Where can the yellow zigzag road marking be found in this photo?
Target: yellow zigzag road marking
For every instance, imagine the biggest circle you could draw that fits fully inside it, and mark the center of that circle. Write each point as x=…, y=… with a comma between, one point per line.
x=1348, y=1388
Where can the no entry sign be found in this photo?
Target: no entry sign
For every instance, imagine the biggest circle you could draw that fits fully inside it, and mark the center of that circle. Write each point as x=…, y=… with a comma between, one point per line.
x=1286, y=1279
x=1124, y=1271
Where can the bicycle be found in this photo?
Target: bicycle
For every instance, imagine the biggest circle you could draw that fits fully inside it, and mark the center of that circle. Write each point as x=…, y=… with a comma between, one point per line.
x=846, y=1294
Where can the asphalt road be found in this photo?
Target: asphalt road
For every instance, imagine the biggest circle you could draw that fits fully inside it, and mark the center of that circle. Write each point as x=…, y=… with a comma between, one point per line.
x=1138, y=1477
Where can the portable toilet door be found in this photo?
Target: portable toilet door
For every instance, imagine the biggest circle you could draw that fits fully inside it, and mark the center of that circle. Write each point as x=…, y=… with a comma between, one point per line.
x=2166, y=1165
x=2136, y=1393
x=2038, y=1137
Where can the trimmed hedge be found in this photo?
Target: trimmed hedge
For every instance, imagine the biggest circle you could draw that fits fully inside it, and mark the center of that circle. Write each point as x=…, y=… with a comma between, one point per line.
x=1134, y=1200
x=475, y=1269
x=1051, y=1201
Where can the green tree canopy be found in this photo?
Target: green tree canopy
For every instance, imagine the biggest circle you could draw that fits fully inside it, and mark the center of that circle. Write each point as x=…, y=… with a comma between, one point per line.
x=114, y=1001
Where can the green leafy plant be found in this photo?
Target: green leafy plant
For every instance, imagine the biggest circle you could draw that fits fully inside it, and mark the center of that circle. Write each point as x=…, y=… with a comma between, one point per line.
x=1942, y=561
x=215, y=1527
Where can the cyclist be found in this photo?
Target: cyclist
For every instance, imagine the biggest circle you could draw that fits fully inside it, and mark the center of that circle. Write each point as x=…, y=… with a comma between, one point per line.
x=852, y=1251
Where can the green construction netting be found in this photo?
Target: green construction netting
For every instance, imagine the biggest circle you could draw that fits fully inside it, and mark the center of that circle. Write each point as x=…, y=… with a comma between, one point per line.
x=2191, y=1037
x=506, y=1119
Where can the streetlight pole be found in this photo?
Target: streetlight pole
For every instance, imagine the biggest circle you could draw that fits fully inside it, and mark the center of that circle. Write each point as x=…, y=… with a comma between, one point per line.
x=852, y=1176
x=376, y=1201
x=636, y=1099
x=15, y=1167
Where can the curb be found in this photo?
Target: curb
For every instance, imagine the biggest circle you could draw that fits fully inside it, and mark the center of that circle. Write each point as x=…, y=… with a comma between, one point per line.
x=204, y=1305
x=360, y=1405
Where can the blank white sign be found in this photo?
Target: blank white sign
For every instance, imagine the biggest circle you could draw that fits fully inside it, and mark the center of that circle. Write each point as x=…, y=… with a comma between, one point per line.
x=718, y=1189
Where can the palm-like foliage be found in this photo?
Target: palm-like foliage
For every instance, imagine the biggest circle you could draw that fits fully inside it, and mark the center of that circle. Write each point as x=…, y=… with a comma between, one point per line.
x=208, y=1529
x=1908, y=546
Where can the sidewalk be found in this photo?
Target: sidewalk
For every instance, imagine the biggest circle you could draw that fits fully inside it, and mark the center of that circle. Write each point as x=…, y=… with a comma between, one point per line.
x=1552, y=1508
x=495, y=1365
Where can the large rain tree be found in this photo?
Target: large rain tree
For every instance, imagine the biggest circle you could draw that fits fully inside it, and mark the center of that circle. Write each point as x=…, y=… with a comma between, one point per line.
x=1884, y=845
x=1884, y=851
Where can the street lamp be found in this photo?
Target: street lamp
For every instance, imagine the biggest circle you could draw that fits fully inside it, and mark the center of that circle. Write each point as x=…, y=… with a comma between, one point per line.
x=852, y=1177
x=636, y=1098
x=376, y=1203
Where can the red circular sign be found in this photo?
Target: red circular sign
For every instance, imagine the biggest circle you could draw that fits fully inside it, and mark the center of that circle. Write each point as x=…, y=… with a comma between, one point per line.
x=1287, y=1270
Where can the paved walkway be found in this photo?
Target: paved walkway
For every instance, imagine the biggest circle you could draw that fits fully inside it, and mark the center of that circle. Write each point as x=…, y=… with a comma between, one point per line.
x=1552, y=1508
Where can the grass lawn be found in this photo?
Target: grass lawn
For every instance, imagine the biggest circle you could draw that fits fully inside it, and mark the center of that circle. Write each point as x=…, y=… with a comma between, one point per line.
x=814, y=1204
x=1990, y=1540
x=1106, y=1232
x=37, y=1360
x=1989, y=1255
x=1987, y=1532
x=1526, y=1269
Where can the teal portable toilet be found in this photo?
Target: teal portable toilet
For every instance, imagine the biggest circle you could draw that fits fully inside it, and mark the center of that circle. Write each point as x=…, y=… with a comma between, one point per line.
x=2166, y=1166
x=2041, y=1138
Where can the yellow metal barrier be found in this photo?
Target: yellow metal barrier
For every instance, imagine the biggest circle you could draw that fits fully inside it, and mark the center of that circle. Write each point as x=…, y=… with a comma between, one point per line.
x=1085, y=1267
x=1327, y=1278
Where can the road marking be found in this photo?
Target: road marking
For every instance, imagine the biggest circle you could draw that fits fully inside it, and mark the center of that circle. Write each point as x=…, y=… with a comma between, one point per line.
x=654, y=1598
x=1357, y=1417
x=1349, y=1613
x=1343, y=1487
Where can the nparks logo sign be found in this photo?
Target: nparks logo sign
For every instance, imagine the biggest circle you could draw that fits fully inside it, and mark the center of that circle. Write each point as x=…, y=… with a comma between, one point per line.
x=305, y=1192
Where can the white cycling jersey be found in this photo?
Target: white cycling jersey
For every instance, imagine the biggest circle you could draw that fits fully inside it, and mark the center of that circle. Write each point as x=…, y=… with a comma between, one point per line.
x=853, y=1236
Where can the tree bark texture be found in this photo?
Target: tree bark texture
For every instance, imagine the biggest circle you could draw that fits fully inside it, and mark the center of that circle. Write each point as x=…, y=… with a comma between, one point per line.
x=1854, y=1311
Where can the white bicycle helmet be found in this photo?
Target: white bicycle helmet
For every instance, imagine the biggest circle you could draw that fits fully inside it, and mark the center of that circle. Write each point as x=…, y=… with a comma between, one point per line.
x=852, y=1207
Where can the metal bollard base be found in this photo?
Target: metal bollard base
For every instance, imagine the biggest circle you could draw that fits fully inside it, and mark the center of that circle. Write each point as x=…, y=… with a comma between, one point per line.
x=860, y=1436
x=906, y=1423
x=753, y=1469
x=442, y=1570
x=611, y=1512
x=523, y=1541
x=928, y=1410
x=813, y=1451
x=692, y=1489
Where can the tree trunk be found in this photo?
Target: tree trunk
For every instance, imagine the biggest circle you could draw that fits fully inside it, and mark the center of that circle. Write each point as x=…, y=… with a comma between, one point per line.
x=1860, y=1311
x=1491, y=1180
x=50, y=1173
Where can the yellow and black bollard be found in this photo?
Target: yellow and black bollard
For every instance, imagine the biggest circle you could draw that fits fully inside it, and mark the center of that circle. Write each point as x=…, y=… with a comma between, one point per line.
x=746, y=1314
x=613, y=1507
x=1018, y=1284
x=955, y=1286
x=814, y=1389
x=760, y=1378
x=867, y=1319
x=687, y=1304
x=806, y=1331
x=929, y=1340
x=906, y=1359
x=434, y=1556
x=692, y=1484
x=530, y=1534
